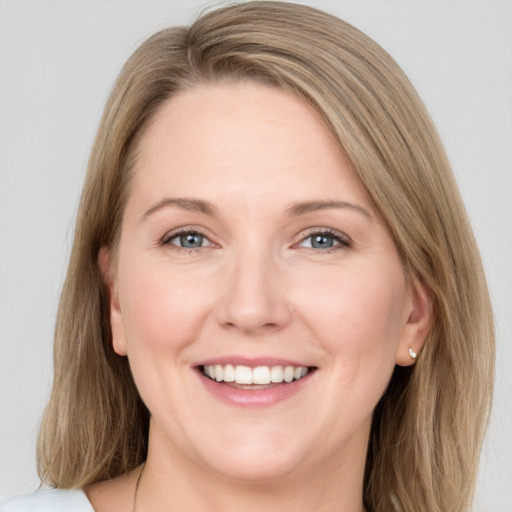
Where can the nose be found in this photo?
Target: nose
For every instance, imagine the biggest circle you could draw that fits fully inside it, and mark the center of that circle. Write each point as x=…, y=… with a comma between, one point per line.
x=255, y=299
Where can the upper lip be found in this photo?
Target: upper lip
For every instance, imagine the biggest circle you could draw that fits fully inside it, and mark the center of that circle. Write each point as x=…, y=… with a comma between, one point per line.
x=251, y=362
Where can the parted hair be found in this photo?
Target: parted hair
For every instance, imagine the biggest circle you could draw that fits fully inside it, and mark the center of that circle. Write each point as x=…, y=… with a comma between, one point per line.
x=428, y=427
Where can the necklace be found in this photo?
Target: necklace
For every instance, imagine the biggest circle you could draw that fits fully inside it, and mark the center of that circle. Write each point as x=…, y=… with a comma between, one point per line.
x=134, y=507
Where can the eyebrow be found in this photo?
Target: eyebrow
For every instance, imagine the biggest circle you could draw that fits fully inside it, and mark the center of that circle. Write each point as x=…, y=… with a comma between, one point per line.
x=313, y=206
x=192, y=205
x=297, y=209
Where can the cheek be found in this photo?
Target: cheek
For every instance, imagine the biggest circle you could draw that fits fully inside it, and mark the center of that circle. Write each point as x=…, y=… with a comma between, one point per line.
x=162, y=312
x=161, y=308
x=359, y=313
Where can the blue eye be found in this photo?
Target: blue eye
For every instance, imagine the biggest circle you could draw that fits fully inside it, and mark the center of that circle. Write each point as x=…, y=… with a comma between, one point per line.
x=325, y=240
x=188, y=240
x=322, y=241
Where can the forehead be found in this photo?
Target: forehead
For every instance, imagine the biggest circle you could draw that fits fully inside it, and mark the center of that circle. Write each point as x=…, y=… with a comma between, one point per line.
x=237, y=137
x=215, y=112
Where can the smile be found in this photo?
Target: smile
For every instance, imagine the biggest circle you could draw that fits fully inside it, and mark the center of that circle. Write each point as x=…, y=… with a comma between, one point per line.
x=260, y=375
x=254, y=384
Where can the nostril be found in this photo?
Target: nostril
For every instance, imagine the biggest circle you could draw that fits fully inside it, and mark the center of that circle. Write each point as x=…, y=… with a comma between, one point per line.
x=253, y=302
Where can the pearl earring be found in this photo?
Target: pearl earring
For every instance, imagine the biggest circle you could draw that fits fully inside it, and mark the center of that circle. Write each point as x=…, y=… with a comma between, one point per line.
x=412, y=353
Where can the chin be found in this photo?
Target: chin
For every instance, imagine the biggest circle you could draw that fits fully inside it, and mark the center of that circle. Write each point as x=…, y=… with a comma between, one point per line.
x=257, y=458
x=261, y=468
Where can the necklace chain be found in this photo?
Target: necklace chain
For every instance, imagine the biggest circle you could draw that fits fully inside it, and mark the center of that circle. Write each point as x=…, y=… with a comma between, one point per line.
x=134, y=507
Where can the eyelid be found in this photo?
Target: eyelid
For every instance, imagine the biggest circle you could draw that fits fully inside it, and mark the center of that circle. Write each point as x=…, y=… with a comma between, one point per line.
x=344, y=240
x=185, y=230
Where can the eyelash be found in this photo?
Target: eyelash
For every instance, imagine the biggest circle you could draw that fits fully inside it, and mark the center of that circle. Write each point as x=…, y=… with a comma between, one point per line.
x=167, y=240
x=343, y=241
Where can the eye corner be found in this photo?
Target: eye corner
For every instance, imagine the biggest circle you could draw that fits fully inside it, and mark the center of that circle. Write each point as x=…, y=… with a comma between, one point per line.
x=324, y=240
x=187, y=239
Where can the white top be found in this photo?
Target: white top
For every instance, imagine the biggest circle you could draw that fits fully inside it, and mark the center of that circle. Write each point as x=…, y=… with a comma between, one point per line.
x=48, y=500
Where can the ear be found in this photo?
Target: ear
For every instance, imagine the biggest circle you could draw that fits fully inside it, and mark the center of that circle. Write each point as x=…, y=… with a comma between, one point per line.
x=116, y=319
x=417, y=326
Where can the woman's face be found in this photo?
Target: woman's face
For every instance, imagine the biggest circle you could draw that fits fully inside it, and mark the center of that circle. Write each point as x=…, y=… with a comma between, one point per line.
x=249, y=252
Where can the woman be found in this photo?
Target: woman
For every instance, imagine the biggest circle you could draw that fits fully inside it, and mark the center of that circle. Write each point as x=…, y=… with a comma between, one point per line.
x=274, y=297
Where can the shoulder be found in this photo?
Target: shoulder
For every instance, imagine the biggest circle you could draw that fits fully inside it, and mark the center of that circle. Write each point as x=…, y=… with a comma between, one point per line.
x=48, y=500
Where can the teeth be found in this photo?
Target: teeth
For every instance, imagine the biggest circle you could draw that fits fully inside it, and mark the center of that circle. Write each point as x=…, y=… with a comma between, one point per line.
x=289, y=373
x=243, y=375
x=276, y=374
x=259, y=375
x=229, y=373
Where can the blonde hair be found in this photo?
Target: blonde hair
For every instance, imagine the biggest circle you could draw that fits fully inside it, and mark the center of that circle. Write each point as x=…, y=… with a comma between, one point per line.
x=428, y=427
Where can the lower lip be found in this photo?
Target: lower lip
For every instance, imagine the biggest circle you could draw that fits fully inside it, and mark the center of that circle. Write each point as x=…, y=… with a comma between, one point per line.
x=253, y=398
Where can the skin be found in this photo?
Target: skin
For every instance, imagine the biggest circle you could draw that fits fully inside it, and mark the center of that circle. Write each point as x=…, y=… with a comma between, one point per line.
x=257, y=289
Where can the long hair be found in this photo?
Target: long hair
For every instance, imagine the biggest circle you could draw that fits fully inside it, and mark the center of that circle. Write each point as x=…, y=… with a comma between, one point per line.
x=428, y=427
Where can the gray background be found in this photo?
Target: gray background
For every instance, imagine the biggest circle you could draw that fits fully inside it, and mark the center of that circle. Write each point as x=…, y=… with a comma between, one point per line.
x=58, y=60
